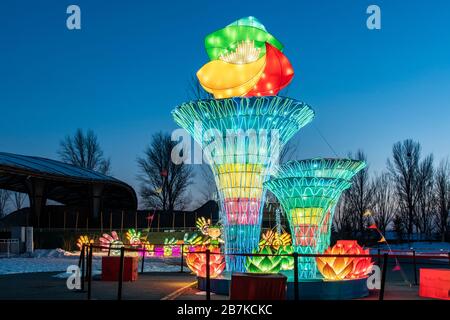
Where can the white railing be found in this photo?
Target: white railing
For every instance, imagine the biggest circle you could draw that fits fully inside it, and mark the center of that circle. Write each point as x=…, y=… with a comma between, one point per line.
x=9, y=246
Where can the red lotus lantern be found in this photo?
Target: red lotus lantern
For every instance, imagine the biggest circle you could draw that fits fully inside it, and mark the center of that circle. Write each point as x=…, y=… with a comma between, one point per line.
x=337, y=268
x=196, y=261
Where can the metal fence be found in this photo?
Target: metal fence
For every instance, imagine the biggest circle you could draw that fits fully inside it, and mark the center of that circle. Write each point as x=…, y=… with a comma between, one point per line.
x=382, y=258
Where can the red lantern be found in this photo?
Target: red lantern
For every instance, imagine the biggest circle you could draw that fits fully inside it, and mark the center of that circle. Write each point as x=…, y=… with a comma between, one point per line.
x=196, y=261
x=277, y=74
x=337, y=268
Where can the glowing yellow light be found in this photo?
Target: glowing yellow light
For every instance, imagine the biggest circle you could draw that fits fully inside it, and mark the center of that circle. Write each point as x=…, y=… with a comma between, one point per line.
x=245, y=53
x=306, y=216
x=224, y=79
x=238, y=180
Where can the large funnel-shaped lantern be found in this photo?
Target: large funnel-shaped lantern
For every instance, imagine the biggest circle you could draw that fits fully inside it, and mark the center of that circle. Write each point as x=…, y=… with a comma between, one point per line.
x=308, y=190
x=244, y=128
x=242, y=163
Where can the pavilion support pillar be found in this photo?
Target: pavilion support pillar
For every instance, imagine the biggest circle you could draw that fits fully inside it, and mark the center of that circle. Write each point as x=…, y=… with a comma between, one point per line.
x=38, y=199
x=97, y=201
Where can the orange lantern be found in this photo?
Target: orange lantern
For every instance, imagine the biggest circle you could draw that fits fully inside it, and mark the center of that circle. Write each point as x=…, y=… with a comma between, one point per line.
x=196, y=261
x=337, y=268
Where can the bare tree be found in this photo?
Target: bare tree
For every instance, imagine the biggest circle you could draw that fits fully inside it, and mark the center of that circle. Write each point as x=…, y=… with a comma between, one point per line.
x=359, y=198
x=425, y=213
x=163, y=183
x=404, y=171
x=5, y=196
x=83, y=150
x=384, y=204
x=442, y=182
x=208, y=190
x=18, y=199
x=343, y=223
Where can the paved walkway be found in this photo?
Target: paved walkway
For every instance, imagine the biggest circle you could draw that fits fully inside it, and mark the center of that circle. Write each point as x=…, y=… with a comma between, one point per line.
x=171, y=286
x=43, y=286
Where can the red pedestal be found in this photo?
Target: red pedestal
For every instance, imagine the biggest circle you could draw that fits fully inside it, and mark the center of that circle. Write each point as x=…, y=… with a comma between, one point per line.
x=252, y=286
x=111, y=265
x=435, y=283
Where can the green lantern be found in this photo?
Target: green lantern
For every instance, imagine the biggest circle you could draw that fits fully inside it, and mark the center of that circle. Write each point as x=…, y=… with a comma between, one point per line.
x=287, y=263
x=263, y=264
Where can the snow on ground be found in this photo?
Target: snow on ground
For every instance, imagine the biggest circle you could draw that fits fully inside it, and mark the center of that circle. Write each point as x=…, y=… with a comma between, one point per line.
x=57, y=260
x=424, y=248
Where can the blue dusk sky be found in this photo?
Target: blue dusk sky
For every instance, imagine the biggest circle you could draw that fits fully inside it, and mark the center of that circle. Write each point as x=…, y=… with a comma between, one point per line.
x=132, y=61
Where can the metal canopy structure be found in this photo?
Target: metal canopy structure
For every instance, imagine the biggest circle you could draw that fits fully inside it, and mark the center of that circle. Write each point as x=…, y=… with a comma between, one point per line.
x=70, y=185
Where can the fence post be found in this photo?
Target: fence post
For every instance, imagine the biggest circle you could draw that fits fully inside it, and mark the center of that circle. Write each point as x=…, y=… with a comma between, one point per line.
x=295, y=254
x=143, y=260
x=383, y=276
x=122, y=258
x=89, y=272
x=182, y=258
x=82, y=265
x=208, y=280
x=81, y=256
x=379, y=256
x=415, y=267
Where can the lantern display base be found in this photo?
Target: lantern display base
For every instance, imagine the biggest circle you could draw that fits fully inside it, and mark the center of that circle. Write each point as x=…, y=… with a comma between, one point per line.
x=312, y=289
x=434, y=283
x=111, y=266
x=320, y=289
x=219, y=285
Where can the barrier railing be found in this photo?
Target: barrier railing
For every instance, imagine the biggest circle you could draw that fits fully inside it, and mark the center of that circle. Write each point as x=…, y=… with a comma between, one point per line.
x=86, y=255
x=9, y=246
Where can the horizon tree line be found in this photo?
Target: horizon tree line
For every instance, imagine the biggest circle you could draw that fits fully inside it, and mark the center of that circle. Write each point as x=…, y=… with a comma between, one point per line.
x=411, y=197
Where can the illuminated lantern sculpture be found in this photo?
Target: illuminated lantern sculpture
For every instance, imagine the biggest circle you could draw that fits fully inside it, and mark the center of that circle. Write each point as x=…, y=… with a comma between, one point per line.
x=133, y=237
x=196, y=261
x=332, y=168
x=241, y=136
x=308, y=190
x=171, y=248
x=190, y=241
x=264, y=264
x=245, y=61
x=212, y=232
x=84, y=240
x=111, y=243
x=337, y=268
x=271, y=243
x=281, y=243
x=287, y=263
x=149, y=248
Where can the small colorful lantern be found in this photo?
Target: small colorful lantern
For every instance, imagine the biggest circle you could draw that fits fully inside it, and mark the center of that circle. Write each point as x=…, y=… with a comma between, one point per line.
x=213, y=232
x=133, y=237
x=84, y=240
x=279, y=243
x=264, y=264
x=170, y=247
x=196, y=261
x=275, y=240
x=337, y=268
x=287, y=263
x=111, y=242
x=148, y=248
x=190, y=241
